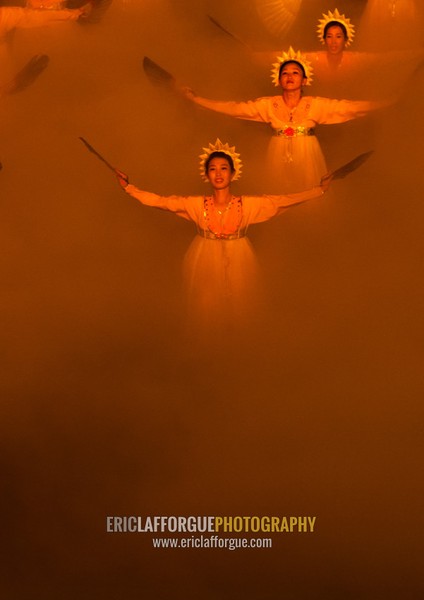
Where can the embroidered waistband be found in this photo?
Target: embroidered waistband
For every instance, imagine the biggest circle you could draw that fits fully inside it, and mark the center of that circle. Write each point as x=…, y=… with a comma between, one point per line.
x=210, y=235
x=289, y=132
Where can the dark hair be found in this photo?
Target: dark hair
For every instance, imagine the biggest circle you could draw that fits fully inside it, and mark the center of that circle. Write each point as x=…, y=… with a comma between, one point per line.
x=335, y=24
x=287, y=62
x=218, y=154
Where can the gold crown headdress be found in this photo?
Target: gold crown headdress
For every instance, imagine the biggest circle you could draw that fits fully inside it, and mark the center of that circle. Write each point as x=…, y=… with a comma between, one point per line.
x=218, y=146
x=291, y=56
x=335, y=16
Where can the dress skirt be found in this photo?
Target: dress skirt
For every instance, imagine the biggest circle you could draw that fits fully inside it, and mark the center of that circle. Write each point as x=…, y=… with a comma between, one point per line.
x=221, y=281
x=294, y=164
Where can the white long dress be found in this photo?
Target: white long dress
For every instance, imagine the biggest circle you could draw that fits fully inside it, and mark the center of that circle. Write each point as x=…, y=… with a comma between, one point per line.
x=220, y=268
x=294, y=159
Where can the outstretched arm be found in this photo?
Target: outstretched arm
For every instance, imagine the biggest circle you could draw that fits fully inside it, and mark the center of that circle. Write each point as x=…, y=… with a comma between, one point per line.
x=329, y=111
x=300, y=197
x=14, y=16
x=269, y=206
x=177, y=204
x=253, y=110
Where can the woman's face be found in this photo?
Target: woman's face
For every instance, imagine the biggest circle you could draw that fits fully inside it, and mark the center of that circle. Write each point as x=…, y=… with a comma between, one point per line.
x=335, y=40
x=291, y=77
x=219, y=173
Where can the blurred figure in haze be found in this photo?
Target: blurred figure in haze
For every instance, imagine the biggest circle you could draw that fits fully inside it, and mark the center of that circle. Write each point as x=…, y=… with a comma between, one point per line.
x=14, y=17
x=339, y=71
x=39, y=13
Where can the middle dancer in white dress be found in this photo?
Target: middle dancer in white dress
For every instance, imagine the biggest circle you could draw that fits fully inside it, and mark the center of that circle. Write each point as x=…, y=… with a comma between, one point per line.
x=295, y=161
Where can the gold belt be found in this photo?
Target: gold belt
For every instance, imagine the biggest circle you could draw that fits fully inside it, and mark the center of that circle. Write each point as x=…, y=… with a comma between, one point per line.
x=210, y=235
x=290, y=132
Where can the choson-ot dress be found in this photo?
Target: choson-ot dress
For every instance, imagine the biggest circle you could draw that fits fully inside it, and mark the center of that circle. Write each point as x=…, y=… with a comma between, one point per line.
x=294, y=161
x=220, y=267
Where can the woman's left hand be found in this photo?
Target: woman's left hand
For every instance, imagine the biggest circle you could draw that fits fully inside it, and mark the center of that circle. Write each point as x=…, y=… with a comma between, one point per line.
x=185, y=91
x=325, y=182
x=122, y=178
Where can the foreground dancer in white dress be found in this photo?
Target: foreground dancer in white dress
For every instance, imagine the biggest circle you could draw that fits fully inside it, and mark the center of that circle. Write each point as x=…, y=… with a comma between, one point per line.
x=220, y=269
x=294, y=161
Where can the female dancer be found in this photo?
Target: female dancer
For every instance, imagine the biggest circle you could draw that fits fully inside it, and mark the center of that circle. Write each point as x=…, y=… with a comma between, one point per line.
x=220, y=268
x=334, y=64
x=339, y=70
x=294, y=161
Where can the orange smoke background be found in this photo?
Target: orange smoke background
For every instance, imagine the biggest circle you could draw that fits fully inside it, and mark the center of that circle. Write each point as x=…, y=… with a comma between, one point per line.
x=106, y=408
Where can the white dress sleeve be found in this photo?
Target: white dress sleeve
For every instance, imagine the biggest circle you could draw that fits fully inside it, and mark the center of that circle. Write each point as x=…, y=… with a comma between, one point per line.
x=252, y=110
x=329, y=111
x=262, y=208
x=13, y=16
x=184, y=206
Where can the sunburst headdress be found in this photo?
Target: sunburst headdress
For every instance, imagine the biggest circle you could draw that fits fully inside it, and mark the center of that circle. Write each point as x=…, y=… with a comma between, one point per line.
x=218, y=146
x=291, y=56
x=338, y=18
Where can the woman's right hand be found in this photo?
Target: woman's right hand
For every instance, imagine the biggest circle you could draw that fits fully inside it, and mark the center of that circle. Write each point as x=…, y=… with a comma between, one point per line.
x=122, y=178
